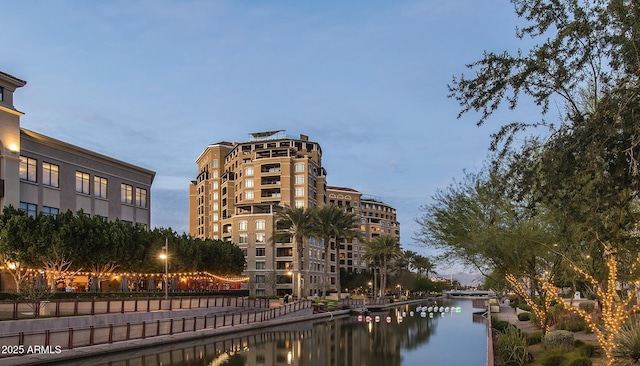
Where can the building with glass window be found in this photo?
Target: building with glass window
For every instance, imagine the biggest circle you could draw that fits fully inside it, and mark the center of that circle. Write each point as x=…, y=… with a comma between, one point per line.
x=240, y=187
x=41, y=174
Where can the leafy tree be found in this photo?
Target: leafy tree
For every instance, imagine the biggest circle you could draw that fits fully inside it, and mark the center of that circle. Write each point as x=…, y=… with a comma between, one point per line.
x=585, y=173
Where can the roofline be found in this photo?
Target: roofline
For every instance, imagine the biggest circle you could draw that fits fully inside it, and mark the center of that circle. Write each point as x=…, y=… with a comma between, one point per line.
x=65, y=145
x=12, y=80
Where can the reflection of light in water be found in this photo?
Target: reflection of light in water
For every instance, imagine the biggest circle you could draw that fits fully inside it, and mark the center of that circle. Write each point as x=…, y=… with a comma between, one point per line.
x=224, y=357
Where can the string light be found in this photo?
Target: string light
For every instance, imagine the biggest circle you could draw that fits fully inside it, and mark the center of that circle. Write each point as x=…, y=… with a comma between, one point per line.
x=614, y=310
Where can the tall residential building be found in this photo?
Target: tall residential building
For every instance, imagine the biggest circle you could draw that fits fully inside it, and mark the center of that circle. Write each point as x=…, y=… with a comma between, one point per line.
x=376, y=218
x=42, y=174
x=241, y=186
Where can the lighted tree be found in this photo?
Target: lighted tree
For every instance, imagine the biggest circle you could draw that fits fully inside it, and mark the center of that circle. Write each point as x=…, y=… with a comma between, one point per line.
x=616, y=305
x=18, y=271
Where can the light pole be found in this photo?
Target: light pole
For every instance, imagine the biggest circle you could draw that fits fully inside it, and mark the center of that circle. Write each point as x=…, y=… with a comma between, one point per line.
x=165, y=256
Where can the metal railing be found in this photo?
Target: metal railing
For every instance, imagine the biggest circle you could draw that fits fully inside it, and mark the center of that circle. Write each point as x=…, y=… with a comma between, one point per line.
x=20, y=343
x=14, y=310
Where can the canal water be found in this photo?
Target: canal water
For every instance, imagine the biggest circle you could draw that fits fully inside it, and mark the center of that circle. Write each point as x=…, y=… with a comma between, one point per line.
x=457, y=337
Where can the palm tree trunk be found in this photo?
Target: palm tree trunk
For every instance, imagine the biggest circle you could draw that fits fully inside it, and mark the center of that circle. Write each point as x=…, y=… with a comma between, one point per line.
x=298, y=284
x=327, y=268
x=338, y=269
x=383, y=278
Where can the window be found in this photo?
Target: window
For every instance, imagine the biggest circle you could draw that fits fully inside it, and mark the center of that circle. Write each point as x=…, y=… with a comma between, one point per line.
x=299, y=192
x=261, y=265
x=141, y=197
x=242, y=226
x=248, y=171
x=261, y=238
x=248, y=195
x=216, y=228
x=299, y=179
x=260, y=278
x=82, y=182
x=243, y=239
x=299, y=204
x=214, y=163
x=260, y=252
x=28, y=169
x=126, y=193
x=284, y=252
x=299, y=167
x=261, y=224
x=248, y=183
x=215, y=185
x=29, y=208
x=1, y=94
x=50, y=175
x=51, y=211
x=100, y=187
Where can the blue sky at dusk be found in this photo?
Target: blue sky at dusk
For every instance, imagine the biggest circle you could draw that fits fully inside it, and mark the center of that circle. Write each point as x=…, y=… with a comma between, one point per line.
x=154, y=82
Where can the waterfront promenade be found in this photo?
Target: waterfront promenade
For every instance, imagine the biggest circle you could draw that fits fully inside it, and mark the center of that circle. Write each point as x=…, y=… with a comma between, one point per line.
x=42, y=340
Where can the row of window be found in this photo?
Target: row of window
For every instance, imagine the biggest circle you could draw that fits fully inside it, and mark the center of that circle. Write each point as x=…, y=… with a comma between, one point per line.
x=261, y=238
x=32, y=210
x=51, y=178
x=260, y=225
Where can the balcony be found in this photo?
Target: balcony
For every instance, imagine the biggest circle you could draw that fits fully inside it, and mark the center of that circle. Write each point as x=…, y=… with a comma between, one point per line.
x=267, y=169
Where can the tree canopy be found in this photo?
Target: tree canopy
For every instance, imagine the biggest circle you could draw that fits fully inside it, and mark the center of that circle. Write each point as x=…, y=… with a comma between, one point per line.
x=566, y=200
x=86, y=242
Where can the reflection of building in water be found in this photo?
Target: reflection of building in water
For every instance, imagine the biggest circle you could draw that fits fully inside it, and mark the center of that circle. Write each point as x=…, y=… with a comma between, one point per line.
x=342, y=341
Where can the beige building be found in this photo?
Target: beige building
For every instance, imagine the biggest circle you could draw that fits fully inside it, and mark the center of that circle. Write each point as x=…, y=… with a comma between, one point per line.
x=240, y=187
x=376, y=218
x=42, y=174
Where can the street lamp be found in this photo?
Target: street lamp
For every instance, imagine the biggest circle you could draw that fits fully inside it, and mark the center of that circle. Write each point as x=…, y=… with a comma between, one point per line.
x=165, y=256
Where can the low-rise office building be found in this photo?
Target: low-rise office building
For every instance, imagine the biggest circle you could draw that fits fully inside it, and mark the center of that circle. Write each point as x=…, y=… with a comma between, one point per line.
x=40, y=174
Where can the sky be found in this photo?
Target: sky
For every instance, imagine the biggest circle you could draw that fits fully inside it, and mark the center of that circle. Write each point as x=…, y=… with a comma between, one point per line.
x=153, y=83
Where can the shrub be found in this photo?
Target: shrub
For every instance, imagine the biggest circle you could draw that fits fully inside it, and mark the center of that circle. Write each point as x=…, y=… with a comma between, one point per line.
x=534, y=337
x=524, y=317
x=511, y=347
x=553, y=359
x=501, y=325
x=581, y=361
x=573, y=325
x=628, y=340
x=558, y=339
x=588, y=306
x=587, y=350
x=524, y=306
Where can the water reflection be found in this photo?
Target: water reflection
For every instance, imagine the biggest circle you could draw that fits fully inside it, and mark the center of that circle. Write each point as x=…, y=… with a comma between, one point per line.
x=446, y=339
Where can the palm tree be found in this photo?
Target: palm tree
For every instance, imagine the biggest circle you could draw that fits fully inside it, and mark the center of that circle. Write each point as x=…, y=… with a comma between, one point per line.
x=327, y=221
x=384, y=248
x=371, y=254
x=296, y=224
x=348, y=228
x=419, y=263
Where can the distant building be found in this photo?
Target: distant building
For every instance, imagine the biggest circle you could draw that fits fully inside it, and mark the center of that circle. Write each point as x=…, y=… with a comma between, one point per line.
x=240, y=187
x=376, y=218
x=42, y=174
